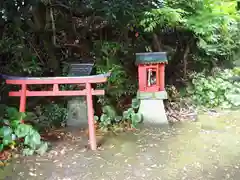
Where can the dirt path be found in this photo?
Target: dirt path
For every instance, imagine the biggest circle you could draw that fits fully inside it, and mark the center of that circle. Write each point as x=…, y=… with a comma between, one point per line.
x=205, y=150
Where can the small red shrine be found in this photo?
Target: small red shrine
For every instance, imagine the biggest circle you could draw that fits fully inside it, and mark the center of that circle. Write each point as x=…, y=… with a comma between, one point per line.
x=151, y=92
x=151, y=71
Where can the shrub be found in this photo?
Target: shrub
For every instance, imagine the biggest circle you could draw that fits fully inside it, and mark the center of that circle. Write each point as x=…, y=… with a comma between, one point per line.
x=55, y=114
x=215, y=91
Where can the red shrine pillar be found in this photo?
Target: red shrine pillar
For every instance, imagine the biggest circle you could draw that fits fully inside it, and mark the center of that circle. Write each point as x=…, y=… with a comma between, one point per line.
x=161, y=77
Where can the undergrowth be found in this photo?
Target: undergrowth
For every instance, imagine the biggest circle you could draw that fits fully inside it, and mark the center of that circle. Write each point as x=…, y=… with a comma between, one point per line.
x=14, y=133
x=217, y=90
x=110, y=118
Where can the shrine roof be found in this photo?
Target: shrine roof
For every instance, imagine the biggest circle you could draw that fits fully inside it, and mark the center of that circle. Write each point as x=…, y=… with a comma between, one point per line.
x=80, y=69
x=151, y=57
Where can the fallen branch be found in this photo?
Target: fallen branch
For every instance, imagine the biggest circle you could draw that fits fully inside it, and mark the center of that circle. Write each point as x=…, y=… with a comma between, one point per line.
x=53, y=26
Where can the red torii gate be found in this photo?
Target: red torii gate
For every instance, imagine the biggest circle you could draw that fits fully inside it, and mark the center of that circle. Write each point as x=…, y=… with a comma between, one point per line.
x=55, y=81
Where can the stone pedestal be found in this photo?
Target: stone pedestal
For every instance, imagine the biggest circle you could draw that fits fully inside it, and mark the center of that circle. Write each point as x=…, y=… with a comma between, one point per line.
x=152, y=107
x=77, y=113
x=77, y=106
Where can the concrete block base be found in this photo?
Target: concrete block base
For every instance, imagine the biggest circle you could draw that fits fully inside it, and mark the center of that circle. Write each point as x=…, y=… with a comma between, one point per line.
x=153, y=111
x=77, y=113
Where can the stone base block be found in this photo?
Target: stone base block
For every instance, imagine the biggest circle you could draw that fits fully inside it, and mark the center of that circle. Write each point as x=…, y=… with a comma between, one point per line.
x=77, y=112
x=152, y=95
x=153, y=111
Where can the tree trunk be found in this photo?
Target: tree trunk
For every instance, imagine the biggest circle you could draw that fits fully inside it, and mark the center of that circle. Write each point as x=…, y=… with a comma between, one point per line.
x=156, y=43
x=185, y=56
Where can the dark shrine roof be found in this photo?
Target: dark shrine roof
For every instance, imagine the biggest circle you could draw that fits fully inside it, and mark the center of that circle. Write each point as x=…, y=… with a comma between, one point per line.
x=151, y=57
x=80, y=69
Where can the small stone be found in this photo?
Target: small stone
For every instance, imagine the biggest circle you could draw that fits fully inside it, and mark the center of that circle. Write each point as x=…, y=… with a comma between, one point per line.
x=62, y=151
x=154, y=165
x=21, y=173
x=32, y=174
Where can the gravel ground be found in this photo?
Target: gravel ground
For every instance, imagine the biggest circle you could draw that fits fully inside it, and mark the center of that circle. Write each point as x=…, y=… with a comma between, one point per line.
x=203, y=150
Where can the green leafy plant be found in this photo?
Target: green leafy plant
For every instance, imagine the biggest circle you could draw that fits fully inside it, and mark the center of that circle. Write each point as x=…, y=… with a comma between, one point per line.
x=215, y=91
x=108, y=117
x=51, y=115
x=13, y=132
x=132, y=115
